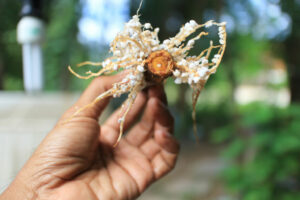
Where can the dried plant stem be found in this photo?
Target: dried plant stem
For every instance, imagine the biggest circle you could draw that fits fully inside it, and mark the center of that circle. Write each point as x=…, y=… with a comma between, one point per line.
x=187, y=48
x=108, y=93
x=89, y=76
x=89, y=63
x=195, y=96
x=129, y=102
x=222, y=50
x=125, y=38
x=204, y=51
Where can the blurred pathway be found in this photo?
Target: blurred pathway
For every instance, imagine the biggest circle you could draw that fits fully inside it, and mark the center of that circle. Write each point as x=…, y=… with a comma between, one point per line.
x=194, y=177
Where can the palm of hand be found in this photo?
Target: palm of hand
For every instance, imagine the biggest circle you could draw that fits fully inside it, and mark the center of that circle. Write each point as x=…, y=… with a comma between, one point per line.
x=83, y=164
x=125, y=171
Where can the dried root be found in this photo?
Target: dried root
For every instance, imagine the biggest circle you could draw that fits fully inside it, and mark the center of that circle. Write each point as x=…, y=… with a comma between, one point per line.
x=138, y=50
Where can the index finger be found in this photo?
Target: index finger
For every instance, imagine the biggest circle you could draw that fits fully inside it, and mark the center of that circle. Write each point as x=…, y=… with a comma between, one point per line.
x=98, y=86
x=155, y=115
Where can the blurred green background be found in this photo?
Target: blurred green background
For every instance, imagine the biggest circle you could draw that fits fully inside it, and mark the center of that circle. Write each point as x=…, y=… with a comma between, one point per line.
x=250, y=107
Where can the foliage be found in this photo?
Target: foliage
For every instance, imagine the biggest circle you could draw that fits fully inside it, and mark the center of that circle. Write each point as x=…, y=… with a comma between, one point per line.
x=61, y=42
x=61, y=47
x=263, y=152
x=10, y=52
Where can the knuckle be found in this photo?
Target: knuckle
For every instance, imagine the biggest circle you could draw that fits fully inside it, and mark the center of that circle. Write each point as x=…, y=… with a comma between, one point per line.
x=98, y=80
x=101, y=83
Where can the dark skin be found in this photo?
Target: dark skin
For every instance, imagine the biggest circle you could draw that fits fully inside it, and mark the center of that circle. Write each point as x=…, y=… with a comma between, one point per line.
x=77, y=159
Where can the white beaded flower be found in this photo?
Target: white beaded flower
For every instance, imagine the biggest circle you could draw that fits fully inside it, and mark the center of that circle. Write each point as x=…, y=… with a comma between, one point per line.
x=138, y=50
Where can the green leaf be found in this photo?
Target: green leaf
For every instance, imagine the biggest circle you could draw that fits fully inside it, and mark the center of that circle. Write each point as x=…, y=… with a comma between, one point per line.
x=286, y=143
x=262, y=139
x=235, y=148
x=260, y=170
x=222, y=134
x=262, y=193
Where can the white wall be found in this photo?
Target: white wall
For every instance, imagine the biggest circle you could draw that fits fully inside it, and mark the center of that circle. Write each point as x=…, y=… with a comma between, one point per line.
x=24, y=121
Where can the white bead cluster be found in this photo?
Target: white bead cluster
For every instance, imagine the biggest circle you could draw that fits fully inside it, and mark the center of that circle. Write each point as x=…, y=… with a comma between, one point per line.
x=221, y=34
x=146, y=41
x=208, y=24
x=133, y=43
x=216, y=58
x=137, y=41
x=185, y=31
x=197, y=74
x=189, y=26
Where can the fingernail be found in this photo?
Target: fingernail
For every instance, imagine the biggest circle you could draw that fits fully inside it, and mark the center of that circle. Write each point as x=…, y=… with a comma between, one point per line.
x=165, y=134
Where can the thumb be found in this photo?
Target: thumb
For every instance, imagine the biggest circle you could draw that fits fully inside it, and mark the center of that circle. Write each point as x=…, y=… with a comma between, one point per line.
x=87, y=105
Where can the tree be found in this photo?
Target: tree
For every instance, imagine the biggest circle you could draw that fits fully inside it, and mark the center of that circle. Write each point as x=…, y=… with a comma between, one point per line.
x=10, y=54
x=291, y=47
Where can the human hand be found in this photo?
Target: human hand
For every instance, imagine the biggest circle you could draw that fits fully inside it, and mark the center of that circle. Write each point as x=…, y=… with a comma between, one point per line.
x=77, y=159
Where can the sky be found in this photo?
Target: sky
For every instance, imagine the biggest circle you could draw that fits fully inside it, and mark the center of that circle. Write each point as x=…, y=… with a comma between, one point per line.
x=103, y=19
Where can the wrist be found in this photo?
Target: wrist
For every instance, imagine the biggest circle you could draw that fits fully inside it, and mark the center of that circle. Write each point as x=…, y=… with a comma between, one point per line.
x=18, y=189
